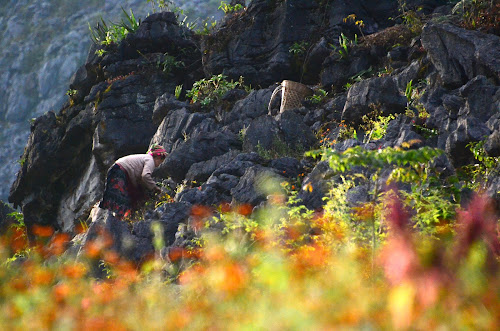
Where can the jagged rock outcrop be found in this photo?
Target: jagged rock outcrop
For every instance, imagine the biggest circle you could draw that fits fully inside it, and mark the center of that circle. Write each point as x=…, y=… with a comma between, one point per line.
x=228, y=152
x=257, y=44
x=460, y=55
x=110, y=118
x=42, y=43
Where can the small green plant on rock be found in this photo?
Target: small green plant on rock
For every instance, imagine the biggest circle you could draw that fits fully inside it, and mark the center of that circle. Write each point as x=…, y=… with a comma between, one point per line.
x=178, y=91
x=160, y=4
x=209, y=91
x=113, y=33
x=228, y=8
x=410, y=17
x=298, y=48
x=344, y=43
x=318, y=97
x=375, y=125
x=169, y=63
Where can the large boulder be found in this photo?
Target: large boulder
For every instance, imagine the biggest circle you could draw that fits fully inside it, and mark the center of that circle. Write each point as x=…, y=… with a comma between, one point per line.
x=460, y=55
x=114, y=235
x=201, y=171
x=375, y=94
x=252, y=187
x=247, y=109
x=181, y=124
x=203, y=147
x=262, y=133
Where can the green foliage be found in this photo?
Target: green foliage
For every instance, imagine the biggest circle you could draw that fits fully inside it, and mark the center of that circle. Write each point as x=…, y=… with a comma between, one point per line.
x=346, y=132
x=279, y=149
x=71, y=93
x=169, y=63
x=410, y=17
x=380, y=159
x=432, y=207
x=476, y=174
x=375, y=125
x=209, y=91
x=21, y=161
x=160, y=4
x=345, y=43
x=426, y=132
x=178, y=91
x=242, y=133
x=18, y=221
x=207, y=26
x=298, y=48
x=101, y=52
x=106, y=269
x=228, y=9
x=409, y=92
x=318, y=97
x=430, y=198
x=113, y=33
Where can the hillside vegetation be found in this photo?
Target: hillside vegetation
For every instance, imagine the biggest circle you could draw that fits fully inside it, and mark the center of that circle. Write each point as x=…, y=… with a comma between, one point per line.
x=372, y=203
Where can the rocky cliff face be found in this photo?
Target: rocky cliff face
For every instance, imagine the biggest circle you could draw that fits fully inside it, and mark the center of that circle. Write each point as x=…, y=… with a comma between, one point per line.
x=125, y=102
x=42, y=43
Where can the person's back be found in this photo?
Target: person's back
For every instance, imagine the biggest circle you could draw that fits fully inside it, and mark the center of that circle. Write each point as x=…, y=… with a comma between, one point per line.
x=127, y=179
x=139, y=167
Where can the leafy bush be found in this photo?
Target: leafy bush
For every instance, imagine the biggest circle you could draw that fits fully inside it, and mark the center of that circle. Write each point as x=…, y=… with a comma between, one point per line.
x=104, y=34
x=209, y=91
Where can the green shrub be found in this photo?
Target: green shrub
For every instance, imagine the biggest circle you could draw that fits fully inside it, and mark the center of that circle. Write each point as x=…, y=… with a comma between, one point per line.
x=209, y=91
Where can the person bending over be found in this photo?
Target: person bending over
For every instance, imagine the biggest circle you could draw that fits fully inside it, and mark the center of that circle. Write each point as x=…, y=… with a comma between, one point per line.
x=128, y=179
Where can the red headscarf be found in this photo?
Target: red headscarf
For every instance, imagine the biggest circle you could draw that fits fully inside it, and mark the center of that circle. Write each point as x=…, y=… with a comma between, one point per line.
x=157, y=150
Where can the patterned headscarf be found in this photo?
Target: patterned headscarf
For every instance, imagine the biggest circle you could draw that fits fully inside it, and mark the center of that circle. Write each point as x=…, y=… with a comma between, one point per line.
x=157, y=150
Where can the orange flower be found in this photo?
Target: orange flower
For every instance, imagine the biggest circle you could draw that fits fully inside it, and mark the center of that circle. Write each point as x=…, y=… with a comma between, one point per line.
x=19, y=285
x=365, y=212
x=43, y=231
x=76, y=270
x=191, y=274
x=111, y=257
x=58, y=243
x=214, y=253
x=42, y=277
x=225, y=207
x=103, y=323
x=60, y=292
x=93, y=249
x=235, y=278
x=175, y=253
x=245, y=209
x=19, y=241
x=313, y=256
x=201, y=211
x=85, y=304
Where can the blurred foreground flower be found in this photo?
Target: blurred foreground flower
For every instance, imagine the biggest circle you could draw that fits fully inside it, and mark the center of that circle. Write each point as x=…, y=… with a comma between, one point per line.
x=479, y=223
